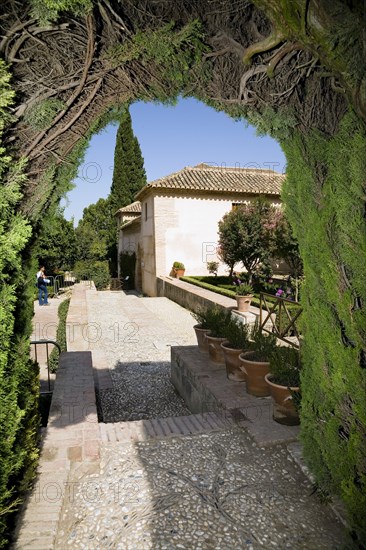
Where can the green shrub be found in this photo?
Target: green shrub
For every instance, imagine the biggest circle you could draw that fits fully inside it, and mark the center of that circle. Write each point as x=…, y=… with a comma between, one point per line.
x=285, y=366
x=201, y=317
x=200, y=282
x=212, y=267
x=262, y=345
x=329, y=222
x=178, y=265
x=237, y=334
x=93, y=270
x=244, y=289
x=63, y=309
x=217, y=319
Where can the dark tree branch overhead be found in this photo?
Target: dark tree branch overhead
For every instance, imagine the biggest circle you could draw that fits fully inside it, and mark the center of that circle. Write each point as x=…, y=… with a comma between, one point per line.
x=64, y=61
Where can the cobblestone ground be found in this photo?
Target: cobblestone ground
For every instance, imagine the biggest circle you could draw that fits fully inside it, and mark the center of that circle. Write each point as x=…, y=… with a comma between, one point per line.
x=217, y=491
x=209, y=491
x=136, y=335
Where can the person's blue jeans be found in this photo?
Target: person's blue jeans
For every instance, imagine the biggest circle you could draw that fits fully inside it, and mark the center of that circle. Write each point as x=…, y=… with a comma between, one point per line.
x=42, y=289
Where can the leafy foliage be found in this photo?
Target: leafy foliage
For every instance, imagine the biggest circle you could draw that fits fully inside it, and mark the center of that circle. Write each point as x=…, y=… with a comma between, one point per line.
x=244, y=289
x=217, y=319
x=40, y=115
x=129, y=174
x=49, y=10
x=212, y=267
x=96, y=231
x=327, y=215
x=172, y=49
x=262, y=345
x=287, y=247
x=61, y=335
x=56, y=246
x=237, y=334
x=246, y=234
x=18, y=375
x=285, y=366
x=178, y=265
x=93, y=270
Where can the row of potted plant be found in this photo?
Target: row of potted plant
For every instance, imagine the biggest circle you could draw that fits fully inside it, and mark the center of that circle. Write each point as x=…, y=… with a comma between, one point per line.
x=254, y=357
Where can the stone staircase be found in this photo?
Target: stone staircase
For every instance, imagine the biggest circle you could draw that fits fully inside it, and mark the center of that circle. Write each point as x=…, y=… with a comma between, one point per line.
x=142, y=430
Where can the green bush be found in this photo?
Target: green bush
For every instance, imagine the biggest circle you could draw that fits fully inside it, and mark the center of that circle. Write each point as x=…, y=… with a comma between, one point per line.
x=329, y=222
x=217, y=318
x=244, y=289
x=237, y=334
x=200, y=281
x=93, y=270
x=262, y=345
x=285, y=366
x=63, y=309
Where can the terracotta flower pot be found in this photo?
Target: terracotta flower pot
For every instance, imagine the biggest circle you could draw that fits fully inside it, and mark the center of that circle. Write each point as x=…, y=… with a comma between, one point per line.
x=243, y=302
x=232, y=362
x=201, y=338
x=255, y=372
x=215, y=350
x=284, y=410
x=179, y=273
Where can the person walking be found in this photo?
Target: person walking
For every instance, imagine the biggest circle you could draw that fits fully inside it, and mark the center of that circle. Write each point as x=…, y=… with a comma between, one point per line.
x=42, y=288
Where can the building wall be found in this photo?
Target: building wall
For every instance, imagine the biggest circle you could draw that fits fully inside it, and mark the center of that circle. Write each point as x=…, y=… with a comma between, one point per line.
x=146, y=256
x=186, y=231
x=180, y=229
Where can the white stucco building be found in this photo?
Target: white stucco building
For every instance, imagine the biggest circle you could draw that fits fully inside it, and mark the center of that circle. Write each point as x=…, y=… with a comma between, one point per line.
x=175, y=218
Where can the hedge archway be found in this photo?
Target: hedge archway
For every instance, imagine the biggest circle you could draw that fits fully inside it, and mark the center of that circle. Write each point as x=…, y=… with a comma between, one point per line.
x=293, y=68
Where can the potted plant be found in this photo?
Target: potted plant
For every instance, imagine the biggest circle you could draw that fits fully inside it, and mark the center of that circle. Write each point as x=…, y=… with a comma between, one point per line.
x=217, y=319
x=237, y=341
x=178, y=269
x=201, y=329
x=255, y=362
x=284, y=384
x=244, y=295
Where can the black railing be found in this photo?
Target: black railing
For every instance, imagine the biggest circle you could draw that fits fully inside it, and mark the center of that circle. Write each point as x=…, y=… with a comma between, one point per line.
x=46, y=343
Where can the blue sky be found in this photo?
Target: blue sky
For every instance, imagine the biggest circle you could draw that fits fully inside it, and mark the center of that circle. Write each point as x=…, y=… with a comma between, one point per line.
x=170, y=139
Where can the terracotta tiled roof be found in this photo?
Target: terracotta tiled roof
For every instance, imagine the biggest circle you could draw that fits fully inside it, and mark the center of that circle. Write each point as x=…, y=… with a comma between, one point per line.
x=136, y=221
x=212, y=179
x=135, y=207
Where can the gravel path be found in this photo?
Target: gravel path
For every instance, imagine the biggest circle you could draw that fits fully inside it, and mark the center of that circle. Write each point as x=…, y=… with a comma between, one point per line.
x=136, y=335
x=212, y=491
x=209, y=492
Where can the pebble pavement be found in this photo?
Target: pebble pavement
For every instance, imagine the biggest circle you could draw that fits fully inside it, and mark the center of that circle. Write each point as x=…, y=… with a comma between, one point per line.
x=213, y=491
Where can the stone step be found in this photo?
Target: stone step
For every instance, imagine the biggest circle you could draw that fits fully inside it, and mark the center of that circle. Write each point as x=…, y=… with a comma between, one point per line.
x=141, y=430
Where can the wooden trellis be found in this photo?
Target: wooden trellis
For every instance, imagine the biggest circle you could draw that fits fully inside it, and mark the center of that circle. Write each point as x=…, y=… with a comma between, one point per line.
x=278, y=319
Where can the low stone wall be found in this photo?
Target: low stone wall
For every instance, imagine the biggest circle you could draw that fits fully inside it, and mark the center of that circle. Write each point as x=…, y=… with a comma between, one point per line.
x=194, y=297
x=205, y=387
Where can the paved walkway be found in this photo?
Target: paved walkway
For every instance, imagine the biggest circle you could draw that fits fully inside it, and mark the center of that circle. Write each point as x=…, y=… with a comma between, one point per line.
x=182, y=482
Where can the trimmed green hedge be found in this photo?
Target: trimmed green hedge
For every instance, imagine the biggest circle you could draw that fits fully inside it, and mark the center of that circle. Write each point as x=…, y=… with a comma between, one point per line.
x=62, y=311
x=329, y=222
x=197, y=281
x=19, y=377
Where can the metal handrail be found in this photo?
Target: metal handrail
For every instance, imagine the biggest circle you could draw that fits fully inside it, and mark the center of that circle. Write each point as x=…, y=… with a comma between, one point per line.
x=46, y=342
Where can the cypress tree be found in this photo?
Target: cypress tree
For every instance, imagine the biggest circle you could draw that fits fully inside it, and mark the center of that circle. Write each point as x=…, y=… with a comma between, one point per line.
x=129, y=174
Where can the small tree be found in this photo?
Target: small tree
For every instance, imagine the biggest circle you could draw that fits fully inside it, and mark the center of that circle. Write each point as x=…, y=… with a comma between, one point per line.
x=212, y=267
x=287, y=249
x=247, y=234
